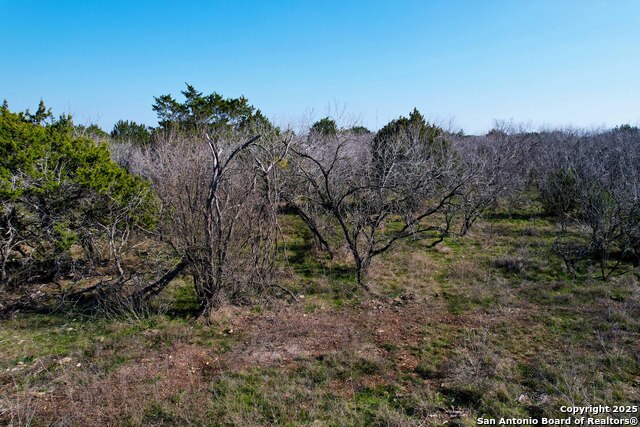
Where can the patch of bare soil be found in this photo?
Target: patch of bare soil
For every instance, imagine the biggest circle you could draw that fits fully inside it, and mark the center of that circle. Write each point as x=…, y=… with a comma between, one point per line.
x=291, y=335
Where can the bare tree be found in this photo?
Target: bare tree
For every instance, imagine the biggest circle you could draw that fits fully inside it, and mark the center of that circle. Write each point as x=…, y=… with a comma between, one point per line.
x=591, y=180
x=496, y=168
x=362, y=190
x=219, y=197
x=117, y=225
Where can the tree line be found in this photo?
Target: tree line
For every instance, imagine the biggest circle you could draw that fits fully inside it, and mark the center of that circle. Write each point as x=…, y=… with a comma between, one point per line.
x=116, y=217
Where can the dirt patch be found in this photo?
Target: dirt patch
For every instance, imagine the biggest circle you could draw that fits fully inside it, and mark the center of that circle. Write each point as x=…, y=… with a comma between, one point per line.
x=281, y=338
x=290, y=335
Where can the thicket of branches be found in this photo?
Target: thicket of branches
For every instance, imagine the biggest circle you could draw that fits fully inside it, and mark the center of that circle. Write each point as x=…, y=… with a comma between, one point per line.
x=218, y=195
x=358, y=184
x=201, y=196
x=591, y=180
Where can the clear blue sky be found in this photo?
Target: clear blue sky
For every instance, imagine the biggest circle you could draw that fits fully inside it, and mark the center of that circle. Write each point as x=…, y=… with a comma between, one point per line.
x=543, y=62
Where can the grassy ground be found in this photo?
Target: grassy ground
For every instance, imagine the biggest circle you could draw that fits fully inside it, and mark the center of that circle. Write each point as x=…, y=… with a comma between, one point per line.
x=487, y=325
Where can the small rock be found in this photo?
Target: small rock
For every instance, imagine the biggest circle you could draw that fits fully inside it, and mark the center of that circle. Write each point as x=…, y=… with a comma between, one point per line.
x=64, y=360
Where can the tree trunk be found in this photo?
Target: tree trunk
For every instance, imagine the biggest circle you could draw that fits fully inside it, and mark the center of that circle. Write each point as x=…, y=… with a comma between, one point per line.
x=156, y=287
x=209, y=292
x=318, y=237
x=362, y=267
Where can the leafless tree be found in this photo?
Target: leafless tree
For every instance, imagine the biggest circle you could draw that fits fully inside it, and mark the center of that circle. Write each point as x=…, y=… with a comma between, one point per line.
x=117, y=226
x=375, y=198
x=591, y=179
x=608, y=177
x=496, y=166
x=219, y=197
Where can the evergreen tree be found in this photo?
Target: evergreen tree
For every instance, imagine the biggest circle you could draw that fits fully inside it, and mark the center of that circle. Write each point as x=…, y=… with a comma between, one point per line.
x=401, y=136
x=41, y=115
x=201, y=113
x=131, y=132
x=92, y=131
x=57, y=190
x=326, y=127
x=359, y=130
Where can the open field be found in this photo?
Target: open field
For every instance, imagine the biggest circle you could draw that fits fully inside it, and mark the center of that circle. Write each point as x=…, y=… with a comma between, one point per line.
x=487, y=325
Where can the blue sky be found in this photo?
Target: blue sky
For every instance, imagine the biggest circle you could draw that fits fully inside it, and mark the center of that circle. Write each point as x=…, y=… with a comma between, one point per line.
x=539, y=62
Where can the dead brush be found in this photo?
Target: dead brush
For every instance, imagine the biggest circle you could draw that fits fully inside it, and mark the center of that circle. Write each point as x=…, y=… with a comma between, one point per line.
x=572, y=382
x=477, y=357
x=469, y=370
x=155, y=389
x=118, y=306
x=18, y=407
x=571, y=253
x=511, y=264
x=464, y=271
x=477, y=370
x=518, y=263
